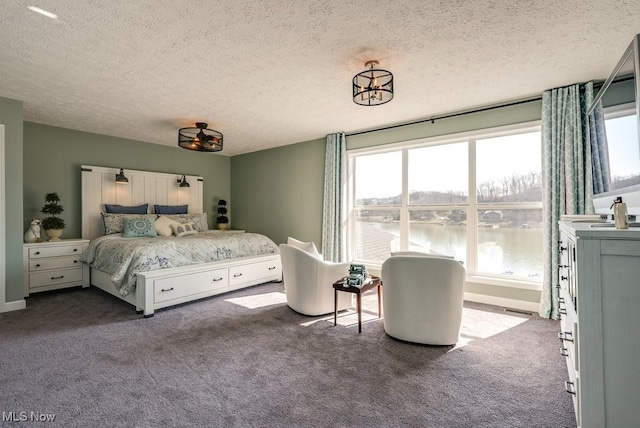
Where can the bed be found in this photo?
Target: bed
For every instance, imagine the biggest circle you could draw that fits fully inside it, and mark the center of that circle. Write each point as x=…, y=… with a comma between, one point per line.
x=153, y=273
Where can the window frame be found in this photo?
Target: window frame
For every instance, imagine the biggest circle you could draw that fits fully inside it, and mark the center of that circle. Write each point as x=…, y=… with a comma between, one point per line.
x=471, y=207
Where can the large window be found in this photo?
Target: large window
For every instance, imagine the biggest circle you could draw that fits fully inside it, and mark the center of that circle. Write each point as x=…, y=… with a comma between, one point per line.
x=477, y=198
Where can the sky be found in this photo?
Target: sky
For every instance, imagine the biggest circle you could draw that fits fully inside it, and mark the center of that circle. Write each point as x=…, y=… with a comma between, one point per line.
x=445, y=167
x=624, y=150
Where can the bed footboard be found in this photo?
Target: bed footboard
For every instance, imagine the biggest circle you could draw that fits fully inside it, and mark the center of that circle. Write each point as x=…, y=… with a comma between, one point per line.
x=168, y=287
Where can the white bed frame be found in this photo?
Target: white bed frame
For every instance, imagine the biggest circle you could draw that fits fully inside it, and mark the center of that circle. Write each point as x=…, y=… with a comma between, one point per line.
x=173, y=286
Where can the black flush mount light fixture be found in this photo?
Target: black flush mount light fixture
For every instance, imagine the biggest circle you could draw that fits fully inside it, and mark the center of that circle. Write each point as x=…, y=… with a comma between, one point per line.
x=183, y=182
x=200, y=138
x=121, y=178
x=373, y=86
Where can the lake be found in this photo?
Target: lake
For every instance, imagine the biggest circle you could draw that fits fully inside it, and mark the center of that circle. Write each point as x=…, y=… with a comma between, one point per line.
x=513, y=251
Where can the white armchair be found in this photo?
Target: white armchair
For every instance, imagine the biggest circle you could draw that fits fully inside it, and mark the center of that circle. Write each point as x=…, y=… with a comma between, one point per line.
x=422, y=298
x=308, y=280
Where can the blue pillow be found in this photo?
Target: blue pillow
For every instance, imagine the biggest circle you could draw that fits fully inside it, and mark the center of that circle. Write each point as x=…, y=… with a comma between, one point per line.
x=135, y=227
x=170, y=209
x=122, y=209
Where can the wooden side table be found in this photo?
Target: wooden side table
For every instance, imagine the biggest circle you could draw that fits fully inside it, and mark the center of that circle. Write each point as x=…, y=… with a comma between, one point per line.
x=373, y=281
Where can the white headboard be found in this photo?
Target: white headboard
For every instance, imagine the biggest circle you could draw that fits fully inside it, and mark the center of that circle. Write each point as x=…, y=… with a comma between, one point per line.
x=99, y=188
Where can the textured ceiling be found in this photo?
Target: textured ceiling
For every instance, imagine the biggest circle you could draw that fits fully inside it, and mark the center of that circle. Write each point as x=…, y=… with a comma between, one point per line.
x=276, y=72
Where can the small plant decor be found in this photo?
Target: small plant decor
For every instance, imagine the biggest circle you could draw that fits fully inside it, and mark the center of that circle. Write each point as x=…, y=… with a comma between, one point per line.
x=53, y=209
x=222, y=219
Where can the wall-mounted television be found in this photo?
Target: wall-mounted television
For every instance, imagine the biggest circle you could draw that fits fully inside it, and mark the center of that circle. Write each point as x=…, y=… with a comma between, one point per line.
x=621, y=159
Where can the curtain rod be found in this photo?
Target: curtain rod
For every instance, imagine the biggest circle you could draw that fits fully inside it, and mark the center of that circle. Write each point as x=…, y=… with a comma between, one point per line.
x=446, y=116
x=596, y=86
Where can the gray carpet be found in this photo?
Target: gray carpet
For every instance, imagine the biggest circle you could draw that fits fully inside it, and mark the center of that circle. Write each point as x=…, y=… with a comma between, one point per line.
x=246, y=359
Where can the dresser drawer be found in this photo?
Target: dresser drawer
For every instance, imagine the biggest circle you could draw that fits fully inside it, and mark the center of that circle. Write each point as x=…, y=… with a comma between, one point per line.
x=54, y=263
x=572, y=386
x=55, y=251
x=569, y=336
x=267, y=270
x=54, y=277
x=189, y=285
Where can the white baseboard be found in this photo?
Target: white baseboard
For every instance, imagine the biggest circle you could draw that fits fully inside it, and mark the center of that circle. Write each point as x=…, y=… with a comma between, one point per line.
x=16, y=305
x=501, y=301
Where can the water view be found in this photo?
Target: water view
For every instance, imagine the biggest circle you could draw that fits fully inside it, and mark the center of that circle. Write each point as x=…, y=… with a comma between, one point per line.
x=514, y=251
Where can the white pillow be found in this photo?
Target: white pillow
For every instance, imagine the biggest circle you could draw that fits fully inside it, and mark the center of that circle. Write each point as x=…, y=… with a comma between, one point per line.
x=163, y=226
x=182, y=229
x=309, y=247
x=199, y=220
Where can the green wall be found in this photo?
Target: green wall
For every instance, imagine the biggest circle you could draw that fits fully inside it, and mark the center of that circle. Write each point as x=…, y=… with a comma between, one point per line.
x=526, y=112
x=11, y=118
x=278, y=192
x=53, y=156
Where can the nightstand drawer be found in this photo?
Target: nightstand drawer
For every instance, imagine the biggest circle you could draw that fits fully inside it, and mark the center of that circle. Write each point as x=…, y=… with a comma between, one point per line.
x=54, y=277
x=54, y=263
x=55, y=251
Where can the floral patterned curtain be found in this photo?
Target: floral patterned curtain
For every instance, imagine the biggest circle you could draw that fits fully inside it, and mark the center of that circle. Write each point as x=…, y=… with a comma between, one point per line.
x=334, y=198
x=567, y=174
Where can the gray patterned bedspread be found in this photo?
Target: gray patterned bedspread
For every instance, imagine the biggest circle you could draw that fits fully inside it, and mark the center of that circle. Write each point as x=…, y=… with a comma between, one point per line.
x=123, y=258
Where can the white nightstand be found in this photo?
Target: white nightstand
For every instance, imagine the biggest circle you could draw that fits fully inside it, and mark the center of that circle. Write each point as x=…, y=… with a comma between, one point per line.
x=52, y=265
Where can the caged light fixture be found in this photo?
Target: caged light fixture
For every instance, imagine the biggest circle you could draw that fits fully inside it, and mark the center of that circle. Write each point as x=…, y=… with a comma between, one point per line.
x=372, y=87
x=200, y=138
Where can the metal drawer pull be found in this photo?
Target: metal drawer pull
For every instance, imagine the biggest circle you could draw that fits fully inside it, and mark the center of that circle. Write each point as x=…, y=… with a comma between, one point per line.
x=561, y=249
x=566, y=335
x=75, y=249
x=558, y=286
x=75, y=261
x=563, y=278
x=38, y=265
x=237, y=275
x=217, y=279
x=562, y=311
x=272, y=268
x=564, y=352
x=57, y=277
x=561, y=300
x=37, y=252
x=570, y=387
x=166, y=289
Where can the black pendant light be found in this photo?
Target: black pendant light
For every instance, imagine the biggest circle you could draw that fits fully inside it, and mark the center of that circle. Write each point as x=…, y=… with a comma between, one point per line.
x=372, y=87
x=200, y=138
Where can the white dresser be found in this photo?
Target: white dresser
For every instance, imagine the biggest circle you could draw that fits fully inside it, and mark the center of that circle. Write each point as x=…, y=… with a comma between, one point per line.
x=599, y=271
x=54, y=264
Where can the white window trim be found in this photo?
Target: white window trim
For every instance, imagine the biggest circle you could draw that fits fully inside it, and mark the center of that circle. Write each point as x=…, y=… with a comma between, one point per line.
x=472, y=206
x=620, y=110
